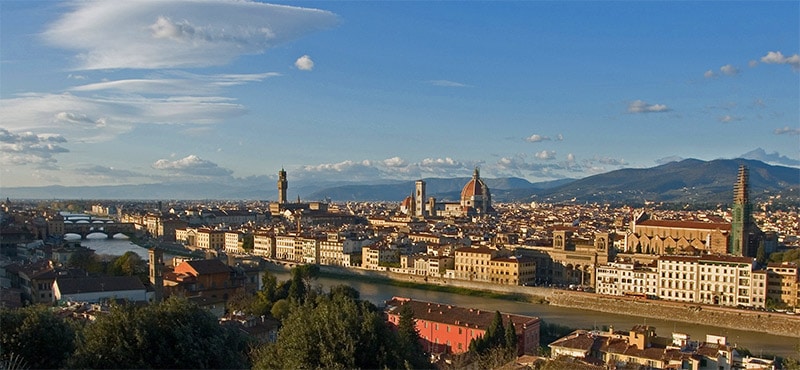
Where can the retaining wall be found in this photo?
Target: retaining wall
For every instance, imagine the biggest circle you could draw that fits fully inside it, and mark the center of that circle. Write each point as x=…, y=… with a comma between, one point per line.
x=757, y=321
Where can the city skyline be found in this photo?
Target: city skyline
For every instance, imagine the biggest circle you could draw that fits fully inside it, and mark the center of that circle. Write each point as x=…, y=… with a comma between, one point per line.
x=96, y=93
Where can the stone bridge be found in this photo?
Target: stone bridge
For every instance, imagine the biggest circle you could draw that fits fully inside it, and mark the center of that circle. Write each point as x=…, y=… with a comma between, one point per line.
x=108, y=228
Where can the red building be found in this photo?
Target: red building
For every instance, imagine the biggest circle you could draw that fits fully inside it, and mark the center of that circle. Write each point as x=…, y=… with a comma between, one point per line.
x=449, y=329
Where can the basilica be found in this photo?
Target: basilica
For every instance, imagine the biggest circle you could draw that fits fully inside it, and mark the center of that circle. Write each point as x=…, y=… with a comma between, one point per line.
x=475, y=200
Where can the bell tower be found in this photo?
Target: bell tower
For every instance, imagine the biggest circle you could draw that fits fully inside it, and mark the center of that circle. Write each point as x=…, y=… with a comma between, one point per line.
x=419, y=199
x=157, y=272
x=283, y=185
x=741, y=224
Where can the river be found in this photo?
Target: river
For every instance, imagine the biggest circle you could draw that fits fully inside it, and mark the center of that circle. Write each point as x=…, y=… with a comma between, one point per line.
x=758, y=343
x=117, y=246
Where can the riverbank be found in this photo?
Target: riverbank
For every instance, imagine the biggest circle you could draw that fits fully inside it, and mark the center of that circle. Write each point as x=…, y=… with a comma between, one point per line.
x=755, y=321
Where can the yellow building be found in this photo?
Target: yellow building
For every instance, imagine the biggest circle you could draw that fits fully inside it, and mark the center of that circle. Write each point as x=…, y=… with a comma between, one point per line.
x=782, y=283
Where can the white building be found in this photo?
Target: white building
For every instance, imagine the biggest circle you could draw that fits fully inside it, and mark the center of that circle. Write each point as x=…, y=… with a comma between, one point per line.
x=97, y=289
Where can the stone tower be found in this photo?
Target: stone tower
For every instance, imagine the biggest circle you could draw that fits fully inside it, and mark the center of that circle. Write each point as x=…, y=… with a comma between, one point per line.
x=157, y=273
x=283, y=185
x=419, y=199
x=741, y=225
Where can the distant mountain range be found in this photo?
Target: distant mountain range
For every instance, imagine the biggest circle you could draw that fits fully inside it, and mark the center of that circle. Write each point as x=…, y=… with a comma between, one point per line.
x=688, y=181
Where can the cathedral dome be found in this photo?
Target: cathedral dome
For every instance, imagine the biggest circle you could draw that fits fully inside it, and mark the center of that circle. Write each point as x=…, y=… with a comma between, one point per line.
x=475, y=187
x=475, y=196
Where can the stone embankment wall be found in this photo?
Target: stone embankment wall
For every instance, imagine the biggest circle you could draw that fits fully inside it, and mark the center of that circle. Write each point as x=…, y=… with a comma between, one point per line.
x=758, y=321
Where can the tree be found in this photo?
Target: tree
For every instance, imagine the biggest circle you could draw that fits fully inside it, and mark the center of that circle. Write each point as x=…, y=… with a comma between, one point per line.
x=36, y=337
x=761, y=255
x=511, y=337
x=248, y=243
x=171, y=334
x=408, y=339
x=331, y=331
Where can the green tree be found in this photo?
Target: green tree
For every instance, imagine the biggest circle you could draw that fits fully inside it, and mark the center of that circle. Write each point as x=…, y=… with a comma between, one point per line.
x=511, y=337
x=171, y=334
x=408, y=340
x=761, y=255
x=336, y=332
x=248, y=243
x=85, y=259
x=36, y=337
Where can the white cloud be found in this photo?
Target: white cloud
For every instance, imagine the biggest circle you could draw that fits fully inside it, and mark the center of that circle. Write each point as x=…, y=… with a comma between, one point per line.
x=760, y=154
x=177, y=85
x=79, y=119
x=776, y=57
x=545, y=155
x=639, y=106
x=570, y=158
x=709, y=74
x=304, y=63
x=729, y=70
x=192, y=165
x=164, y=34
x=447, y=83
x=752, y=63
x=99, y=118
x=560, y=137
x=27, y=148
x=786, y=130
x=728, y=118
x=394, y=162
x=535, y=138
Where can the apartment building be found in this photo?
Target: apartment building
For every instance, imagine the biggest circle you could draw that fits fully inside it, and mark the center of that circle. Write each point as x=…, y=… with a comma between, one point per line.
x=627, y=278
x=373, y=256
x=288, y=247
x=234, y=242
x=264, y=244
x=337, y=251
x=783, y=284
x=210, y=239
x=512, y=270
x=449, y=329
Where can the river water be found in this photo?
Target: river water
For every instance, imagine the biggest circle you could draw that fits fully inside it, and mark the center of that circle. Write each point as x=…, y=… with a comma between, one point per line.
x=758, y=343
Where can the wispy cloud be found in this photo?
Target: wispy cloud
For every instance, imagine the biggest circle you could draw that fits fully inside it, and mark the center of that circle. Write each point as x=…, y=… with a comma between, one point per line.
x=100, y=118
x=177, y=84
x=786, y=130
x=774, y=157
x=446, y=83
x=192, y=165
x=639, y=106
x=672, y=158
x=161, y=34
x=729, y=118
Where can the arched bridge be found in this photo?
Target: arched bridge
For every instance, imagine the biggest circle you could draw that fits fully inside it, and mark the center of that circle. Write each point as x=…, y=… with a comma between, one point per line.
x=108, y=228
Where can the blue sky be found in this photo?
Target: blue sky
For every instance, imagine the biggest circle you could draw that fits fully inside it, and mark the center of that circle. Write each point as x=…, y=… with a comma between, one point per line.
x=96, y=93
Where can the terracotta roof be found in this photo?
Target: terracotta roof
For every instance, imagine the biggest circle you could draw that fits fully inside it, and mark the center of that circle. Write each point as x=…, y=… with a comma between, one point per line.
x=686, y=224
x=207, y=267
x=454, y=315
x=578, y=339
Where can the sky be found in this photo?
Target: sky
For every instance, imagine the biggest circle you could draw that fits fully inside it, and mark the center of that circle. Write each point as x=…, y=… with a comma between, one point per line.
x=133, y=92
